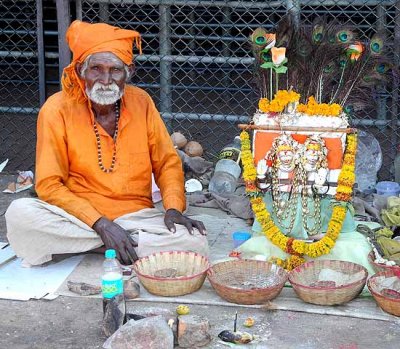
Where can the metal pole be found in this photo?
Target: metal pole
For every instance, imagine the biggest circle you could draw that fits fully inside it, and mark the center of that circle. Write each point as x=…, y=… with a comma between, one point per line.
x=248, y=4
x=293, y=9
x=165, y=66
x=40, y=48
x=381, y=98
x=226, y=47
x=192, y=41
x=78, y=12
x=63, y=21
x=104, y=13
x=395, y=97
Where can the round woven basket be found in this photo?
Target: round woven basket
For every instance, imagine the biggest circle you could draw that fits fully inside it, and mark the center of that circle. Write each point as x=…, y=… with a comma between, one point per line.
x=378, y=267
x=247, y=281
x=184, y=272
x=305, y=282
x=388, y=304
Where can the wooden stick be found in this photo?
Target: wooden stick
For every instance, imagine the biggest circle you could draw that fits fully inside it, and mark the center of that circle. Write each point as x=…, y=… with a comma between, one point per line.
x=296, y=129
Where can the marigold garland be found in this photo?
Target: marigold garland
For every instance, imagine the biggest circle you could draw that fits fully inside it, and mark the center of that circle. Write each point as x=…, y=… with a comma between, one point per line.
x=280, y=101
x=314, y=108
x=297, y=248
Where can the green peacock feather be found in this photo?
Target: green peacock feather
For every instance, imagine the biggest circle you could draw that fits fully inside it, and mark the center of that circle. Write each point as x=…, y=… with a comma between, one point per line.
x=376, y=45
x=345, y=36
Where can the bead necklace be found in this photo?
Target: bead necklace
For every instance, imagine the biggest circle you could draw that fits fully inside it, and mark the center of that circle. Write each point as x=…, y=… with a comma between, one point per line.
x=284, y=207
x=307, y=213
x=99, y=156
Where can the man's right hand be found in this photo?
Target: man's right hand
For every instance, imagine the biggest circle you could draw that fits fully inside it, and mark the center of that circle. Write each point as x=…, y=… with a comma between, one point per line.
x=117, y=238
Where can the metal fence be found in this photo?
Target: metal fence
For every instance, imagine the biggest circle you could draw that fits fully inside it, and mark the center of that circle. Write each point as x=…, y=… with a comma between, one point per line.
x=19, y=80
x=197, y=65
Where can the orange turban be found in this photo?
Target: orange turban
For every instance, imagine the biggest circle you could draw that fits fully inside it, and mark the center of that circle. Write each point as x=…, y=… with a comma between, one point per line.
x=85, y=39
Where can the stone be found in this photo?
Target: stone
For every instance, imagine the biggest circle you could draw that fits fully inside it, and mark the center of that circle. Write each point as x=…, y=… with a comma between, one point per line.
x=83, y=288
x=193, y=331
x=131, y=289
x=149, y=333
x=113, y=314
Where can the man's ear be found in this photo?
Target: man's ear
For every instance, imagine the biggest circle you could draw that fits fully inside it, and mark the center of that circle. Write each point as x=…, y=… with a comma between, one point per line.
x=78, y=68
x=131, y=70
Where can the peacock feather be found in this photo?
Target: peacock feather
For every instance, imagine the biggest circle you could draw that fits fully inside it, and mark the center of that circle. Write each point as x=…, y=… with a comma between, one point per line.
x=259, y=38
x=327, y=60
x=376, y=44
x=345, y=36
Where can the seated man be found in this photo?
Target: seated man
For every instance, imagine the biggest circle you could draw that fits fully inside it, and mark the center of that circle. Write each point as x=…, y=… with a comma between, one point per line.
x=98, y=143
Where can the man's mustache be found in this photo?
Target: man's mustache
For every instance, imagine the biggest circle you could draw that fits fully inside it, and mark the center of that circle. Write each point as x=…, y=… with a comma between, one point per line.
x=105, y=88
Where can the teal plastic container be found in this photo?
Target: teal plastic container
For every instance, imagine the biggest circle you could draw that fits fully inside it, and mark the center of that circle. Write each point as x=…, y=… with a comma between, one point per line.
x=239, y=237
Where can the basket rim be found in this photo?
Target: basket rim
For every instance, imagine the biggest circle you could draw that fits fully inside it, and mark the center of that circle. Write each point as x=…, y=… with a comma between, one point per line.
x=179, y=278
x=211, y=277
x=246, y=260
x=381, y=265
x=355, y=283
x=376, y=294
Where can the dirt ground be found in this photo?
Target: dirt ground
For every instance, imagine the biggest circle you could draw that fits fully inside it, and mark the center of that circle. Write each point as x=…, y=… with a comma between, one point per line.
x=75, y=322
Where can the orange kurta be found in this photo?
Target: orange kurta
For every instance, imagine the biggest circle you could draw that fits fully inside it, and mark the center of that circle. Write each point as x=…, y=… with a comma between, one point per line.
x=67, y=170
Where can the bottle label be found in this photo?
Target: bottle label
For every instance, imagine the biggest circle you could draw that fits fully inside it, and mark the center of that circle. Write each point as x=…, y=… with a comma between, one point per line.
x=112, y=288
x=230, y=153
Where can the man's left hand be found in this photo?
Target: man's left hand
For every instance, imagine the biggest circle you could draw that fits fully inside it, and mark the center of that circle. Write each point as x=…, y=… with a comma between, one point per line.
x=173, y=216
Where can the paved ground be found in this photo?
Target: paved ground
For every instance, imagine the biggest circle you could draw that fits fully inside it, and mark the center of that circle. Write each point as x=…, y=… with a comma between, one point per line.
x=74, y=323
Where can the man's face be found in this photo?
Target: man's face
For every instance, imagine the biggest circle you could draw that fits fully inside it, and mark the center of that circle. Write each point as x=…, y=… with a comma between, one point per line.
x=105, y=76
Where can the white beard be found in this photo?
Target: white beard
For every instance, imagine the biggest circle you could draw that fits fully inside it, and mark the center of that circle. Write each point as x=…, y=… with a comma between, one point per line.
x=104, y=94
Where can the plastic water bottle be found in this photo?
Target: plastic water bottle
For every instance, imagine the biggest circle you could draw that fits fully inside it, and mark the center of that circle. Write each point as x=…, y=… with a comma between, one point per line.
x=232, y=151
x=227, y=169
x=368, y=149
x=224, y=179
x=112, y=288
x=397, y=166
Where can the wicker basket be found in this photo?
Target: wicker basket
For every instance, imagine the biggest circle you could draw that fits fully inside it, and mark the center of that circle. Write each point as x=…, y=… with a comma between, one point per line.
x=247, y=281
x=378, y=267
x=190, y=270
x=304, y=276
x=388, y=304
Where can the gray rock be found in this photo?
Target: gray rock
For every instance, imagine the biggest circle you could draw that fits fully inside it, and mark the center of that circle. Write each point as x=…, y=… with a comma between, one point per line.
x=83, y=288
x=193, y=331
x=113, y=314
x=131, y=289
x=148, y=333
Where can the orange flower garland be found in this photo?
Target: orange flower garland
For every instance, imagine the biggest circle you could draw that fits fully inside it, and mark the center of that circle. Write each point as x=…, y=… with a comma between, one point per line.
x=280, y=101
x=298, y=248
x=314, y=108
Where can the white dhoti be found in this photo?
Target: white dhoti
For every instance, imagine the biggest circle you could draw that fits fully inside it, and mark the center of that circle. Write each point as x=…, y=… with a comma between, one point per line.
x=36, y=230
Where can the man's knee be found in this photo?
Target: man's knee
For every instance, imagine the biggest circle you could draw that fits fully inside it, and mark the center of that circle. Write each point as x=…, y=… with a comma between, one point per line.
x=18, y=211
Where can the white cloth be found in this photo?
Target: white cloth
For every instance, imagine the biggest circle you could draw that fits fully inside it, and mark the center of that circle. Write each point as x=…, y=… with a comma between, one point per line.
x=36, y=230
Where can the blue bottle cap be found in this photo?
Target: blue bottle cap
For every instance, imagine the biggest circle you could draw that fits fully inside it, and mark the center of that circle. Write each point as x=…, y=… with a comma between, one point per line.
x=111, y=253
